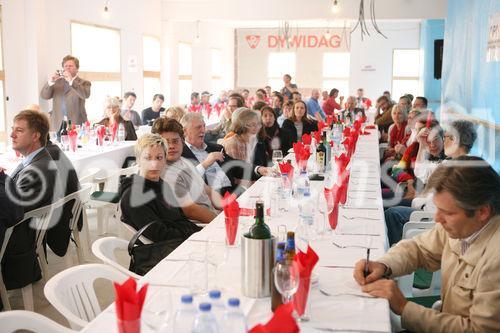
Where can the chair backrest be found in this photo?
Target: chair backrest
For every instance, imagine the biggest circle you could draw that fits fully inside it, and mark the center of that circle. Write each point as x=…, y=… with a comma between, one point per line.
x=80, y=198
x=72, y=292
x=129, y=232
x=105, y=248
x=112, y=181
x=89, y=175
x=15, y=320
x=405, y=283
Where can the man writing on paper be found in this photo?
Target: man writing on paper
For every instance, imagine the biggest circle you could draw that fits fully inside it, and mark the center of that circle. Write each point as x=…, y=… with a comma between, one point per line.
x=464, y=244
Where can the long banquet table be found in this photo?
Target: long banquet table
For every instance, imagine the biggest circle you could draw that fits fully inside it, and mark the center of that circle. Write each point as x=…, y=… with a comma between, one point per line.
x=345, y=308
x=107, y=157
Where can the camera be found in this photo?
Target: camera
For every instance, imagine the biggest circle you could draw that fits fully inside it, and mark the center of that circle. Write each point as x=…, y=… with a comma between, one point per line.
x=60, y=72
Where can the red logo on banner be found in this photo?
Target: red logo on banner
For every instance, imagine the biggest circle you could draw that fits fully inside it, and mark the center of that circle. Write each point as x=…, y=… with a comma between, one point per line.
x=253, y=40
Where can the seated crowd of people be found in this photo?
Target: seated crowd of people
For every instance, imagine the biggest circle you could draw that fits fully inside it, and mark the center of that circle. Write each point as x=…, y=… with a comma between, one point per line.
x=184, y=169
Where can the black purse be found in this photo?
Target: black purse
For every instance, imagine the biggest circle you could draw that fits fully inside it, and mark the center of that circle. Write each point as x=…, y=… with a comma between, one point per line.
x=143, y=257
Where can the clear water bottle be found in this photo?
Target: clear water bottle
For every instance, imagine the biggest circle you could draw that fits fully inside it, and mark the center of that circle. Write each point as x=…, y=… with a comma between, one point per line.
x=306, y=229
x=217, y=304
x=303, y=185
x=121, y=132
x=205, y=321
x=233, y=320
x=184, y=316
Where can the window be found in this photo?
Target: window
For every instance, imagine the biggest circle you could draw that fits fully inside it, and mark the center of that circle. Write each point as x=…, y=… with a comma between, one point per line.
x=336, y=72
x=152, y=66
x=279, y=64
x=216, y=72
x=405, y=72
x=185, y=73
x=102, y=68
x=3, y=128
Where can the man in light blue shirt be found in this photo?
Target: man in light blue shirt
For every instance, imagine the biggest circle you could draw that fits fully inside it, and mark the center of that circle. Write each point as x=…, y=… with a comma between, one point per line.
x=313, y=108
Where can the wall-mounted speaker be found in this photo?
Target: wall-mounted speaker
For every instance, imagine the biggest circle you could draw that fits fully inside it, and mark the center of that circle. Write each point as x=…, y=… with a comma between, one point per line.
x=438, y=58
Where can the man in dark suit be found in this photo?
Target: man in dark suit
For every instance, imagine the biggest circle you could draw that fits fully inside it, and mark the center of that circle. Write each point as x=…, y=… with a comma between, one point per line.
x=68, y=92
x=218, y=169
x=35, y=184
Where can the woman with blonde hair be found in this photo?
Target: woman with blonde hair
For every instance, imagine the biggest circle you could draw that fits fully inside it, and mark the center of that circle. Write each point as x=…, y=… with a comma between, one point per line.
x=175, y=112
x=247, y=143
x=112, y=116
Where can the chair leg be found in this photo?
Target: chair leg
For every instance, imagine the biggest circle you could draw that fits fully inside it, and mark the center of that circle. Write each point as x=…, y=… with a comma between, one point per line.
x=100, y=222
x=86, y=235
x=4, y=296
x=43, y=262
x=28, y=297
x=78, y=243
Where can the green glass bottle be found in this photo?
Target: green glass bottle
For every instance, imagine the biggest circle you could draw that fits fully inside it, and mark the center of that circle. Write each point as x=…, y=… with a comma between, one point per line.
x=259, y=230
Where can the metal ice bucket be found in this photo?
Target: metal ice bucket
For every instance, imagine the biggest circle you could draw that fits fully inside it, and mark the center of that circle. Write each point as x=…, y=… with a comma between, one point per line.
x=257, y=261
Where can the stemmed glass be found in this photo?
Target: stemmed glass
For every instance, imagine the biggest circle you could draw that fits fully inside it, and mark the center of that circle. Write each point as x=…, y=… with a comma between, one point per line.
x=286, y=279
x=216, y=255
x=277, y=156
x=157, y=313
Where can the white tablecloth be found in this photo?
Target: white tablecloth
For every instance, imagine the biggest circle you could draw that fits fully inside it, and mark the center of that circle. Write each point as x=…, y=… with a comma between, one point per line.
x=347, y=310
x=106, y=158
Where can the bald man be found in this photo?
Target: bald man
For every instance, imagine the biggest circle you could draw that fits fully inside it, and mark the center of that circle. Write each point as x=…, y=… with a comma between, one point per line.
x=313, y=108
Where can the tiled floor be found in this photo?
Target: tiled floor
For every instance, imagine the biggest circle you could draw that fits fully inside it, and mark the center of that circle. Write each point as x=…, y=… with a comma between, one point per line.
x=57, y=264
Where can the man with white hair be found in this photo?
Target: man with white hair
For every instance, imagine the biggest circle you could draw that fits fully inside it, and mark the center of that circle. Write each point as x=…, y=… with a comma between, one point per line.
x=217, y=168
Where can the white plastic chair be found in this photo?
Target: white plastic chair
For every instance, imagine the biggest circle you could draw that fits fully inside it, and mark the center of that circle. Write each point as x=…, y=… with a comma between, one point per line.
x=80, y=198
x=405, y=283
x=89, y=175
x=40, y=219
x=104, y=249
x=12, y=321
x=420, y=215
x=107, y=209
x=128, y=232
x=72, y=292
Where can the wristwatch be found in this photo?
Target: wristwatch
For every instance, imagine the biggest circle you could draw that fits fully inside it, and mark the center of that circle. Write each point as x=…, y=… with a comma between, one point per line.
x=387, y=272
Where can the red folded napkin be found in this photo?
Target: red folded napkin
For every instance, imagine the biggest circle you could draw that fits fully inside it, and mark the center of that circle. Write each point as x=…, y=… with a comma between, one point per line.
x=286, y=168
x=87, y=125
x=73, y=139
x=317, y=136
x=357, y=124
x=129, y=304
x=370, y=127
x=281, y=322
x=321, y=125
x=429, y=119
x=332, y=203
x=329, y=120
x=301, y=154
x=114, y=129
x=101, y=132
x=230, y=205
x=251, y=211
x=306, y=262
x=306, y=139
x=346, y=132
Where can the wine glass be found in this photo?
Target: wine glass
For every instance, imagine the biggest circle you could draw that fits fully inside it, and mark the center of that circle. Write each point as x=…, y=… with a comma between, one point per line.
x=216, y=255
x=277, y=157
x=157, y=313
x=286, y=279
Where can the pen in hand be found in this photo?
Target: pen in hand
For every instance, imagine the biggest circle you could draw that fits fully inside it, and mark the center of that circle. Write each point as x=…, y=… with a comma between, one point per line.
x=366, y=271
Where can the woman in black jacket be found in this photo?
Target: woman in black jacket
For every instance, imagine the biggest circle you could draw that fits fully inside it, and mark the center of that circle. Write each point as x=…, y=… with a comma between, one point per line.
x=276, y=137
x=146, y=198
x=112, y=106
x=298, y=124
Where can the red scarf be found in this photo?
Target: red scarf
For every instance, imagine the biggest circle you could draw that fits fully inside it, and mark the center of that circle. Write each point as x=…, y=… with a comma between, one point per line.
x=399, y=135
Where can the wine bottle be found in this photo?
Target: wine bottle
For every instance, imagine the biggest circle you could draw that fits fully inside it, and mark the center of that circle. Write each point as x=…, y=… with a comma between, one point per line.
x=259, y=230
x=290, y=246
x=276, y=298
x=328, y=149
x=321, y=156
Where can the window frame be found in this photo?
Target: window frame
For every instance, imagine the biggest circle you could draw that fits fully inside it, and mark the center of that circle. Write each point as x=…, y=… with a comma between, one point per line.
x=336, y=78
x=147, y=74
x=403, y=78
x=274, y=78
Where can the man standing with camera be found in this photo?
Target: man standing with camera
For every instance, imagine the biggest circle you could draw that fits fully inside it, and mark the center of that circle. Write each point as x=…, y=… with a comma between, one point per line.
x=68, y=92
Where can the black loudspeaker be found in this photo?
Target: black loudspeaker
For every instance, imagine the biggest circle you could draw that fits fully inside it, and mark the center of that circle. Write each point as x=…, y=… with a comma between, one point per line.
x=438, y=58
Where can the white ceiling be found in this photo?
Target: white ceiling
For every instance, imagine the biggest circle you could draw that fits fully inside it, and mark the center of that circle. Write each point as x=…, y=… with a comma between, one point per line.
x=305, y=13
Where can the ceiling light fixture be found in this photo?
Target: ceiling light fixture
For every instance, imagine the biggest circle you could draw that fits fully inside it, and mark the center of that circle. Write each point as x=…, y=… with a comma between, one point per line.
x=105, y=11
x=335, y=7
x=197, y=38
